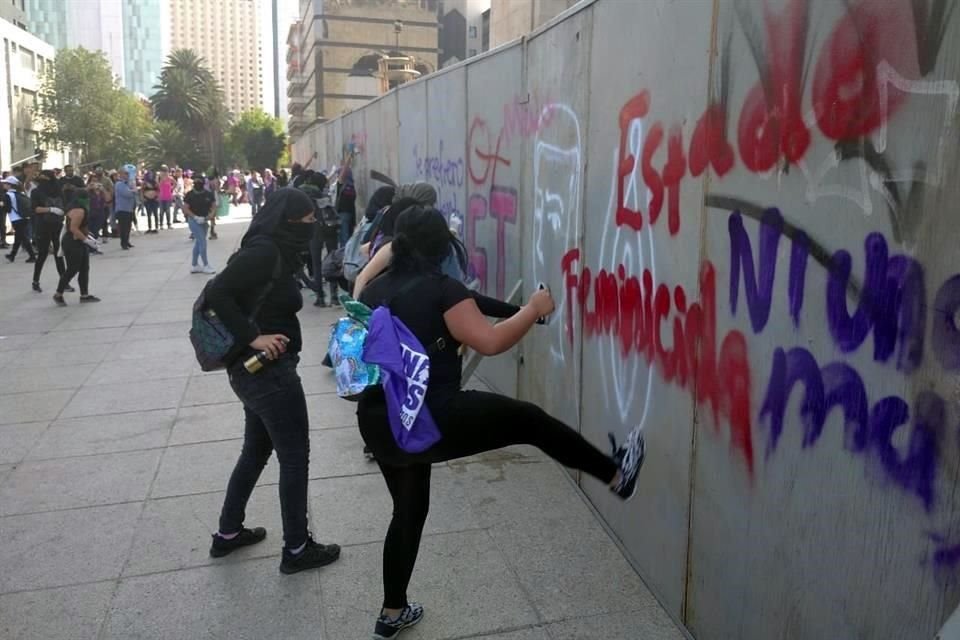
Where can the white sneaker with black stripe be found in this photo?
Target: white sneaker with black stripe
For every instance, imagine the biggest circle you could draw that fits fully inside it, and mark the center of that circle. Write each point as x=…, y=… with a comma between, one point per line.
x=389, y=628
x=629, y=457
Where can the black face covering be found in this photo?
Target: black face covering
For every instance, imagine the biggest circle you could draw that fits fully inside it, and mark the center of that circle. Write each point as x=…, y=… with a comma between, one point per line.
x=274, y=221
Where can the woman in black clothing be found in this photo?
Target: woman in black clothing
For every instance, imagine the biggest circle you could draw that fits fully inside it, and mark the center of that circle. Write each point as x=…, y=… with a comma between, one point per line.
x=441, y=311
x=149, y=192
x=257, y=298
x=76, y=249
x=47, y=202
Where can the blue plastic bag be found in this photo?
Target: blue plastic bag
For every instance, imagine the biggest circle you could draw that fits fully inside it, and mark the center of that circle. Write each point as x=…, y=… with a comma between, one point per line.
x=346, y=351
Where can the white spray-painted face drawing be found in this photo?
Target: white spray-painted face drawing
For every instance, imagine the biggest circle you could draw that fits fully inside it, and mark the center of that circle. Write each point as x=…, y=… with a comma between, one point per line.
x=626, y=379
x=557, y=179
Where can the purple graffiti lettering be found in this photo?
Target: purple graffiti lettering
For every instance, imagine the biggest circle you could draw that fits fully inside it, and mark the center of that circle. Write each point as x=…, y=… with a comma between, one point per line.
x=916, y=471
x=799, y=252
x=844, y=388
x=759, y=294
x=947, y=557
x=946, y=336
x=758, y=278
x=839, y=385
x=789, y=368
x=447, y=172
x=892, y=303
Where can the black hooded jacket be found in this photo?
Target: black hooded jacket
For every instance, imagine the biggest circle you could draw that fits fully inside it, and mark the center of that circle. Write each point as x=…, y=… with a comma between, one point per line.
x=266, y=250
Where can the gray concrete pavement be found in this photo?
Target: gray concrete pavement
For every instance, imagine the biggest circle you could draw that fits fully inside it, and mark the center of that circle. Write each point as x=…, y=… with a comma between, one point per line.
x=115, y=450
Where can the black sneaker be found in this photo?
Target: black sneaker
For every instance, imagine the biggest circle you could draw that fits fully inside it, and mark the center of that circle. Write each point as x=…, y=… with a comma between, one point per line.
x=313, y=556
x=36, y=287
x=58, y=298
x=222, y=547
x=387, y=628
x=9, y=258
x=629, y=457
x=69, y=289
x=89, y=299
x=29, y=260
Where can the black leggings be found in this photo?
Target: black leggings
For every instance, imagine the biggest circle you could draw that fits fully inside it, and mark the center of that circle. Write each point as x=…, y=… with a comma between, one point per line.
x=47, y=232
x=78, y=264
x=471, y=422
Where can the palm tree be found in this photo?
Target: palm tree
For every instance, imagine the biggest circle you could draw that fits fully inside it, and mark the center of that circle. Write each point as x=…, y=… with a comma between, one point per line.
x=190, y=96
x=168, y=144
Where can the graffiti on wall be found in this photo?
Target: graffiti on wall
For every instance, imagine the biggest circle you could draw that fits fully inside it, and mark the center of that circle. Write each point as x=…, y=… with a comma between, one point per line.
x=447, y=174
x=493, y=196
x=557, y=183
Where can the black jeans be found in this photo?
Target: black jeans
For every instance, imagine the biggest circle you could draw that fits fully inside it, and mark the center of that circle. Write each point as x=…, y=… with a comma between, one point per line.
x=321, y=247
x=153, y=212
x=47, y=229
x=124, y=221
x=20, y=238
x=78, y=264
x=276, y=418
x=3, y=227
x=471, y=422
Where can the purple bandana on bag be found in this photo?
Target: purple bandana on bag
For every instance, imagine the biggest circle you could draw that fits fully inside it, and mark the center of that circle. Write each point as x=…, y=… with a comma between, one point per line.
x=405, y=369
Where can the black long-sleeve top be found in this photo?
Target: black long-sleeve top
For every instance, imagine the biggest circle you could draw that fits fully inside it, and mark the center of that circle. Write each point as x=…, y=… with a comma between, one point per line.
x=236, y=290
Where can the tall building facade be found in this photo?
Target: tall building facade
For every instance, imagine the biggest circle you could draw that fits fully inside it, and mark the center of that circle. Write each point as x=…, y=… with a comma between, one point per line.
x=145, y=44
x=130, y=33
x=25, y=57
x=15, y=12
x=343, y=54
x=225, y=33
x=461, y=29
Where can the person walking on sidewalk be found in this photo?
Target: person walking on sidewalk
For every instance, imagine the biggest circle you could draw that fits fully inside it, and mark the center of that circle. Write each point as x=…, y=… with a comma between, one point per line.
x=442, y=313
x=106, y=182
x=257, y=299
x=151, y=203
x=178, y=191
x=198, y=207
x=125, y=199
x=76, y=249
x=18, y=212
x=99, y=209
x=47, y=203
x=165, y=184
x=254, y=192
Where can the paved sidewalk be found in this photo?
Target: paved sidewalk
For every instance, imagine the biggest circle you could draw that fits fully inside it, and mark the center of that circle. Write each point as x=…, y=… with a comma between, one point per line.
x=115, y=451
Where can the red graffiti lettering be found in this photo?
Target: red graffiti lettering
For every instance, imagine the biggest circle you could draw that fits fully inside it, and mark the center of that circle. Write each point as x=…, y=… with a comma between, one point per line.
x=636, y=108
x=846, y=93
x=771, y=121
x=639, y=318
x=488, y=160
x=503, y=208
x=476, y=210
x=709, y=144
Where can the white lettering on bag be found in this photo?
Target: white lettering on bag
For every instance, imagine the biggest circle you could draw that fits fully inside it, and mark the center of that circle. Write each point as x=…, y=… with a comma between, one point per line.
x=416, y=369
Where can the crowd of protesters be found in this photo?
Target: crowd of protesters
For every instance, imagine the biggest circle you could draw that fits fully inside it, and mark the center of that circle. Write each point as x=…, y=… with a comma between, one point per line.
x=69, y=215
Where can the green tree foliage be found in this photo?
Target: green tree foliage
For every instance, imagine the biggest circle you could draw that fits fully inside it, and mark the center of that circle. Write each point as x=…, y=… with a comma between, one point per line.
x=81, y=106
x=257, y=140
x=190, y=96
x=169, y=144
